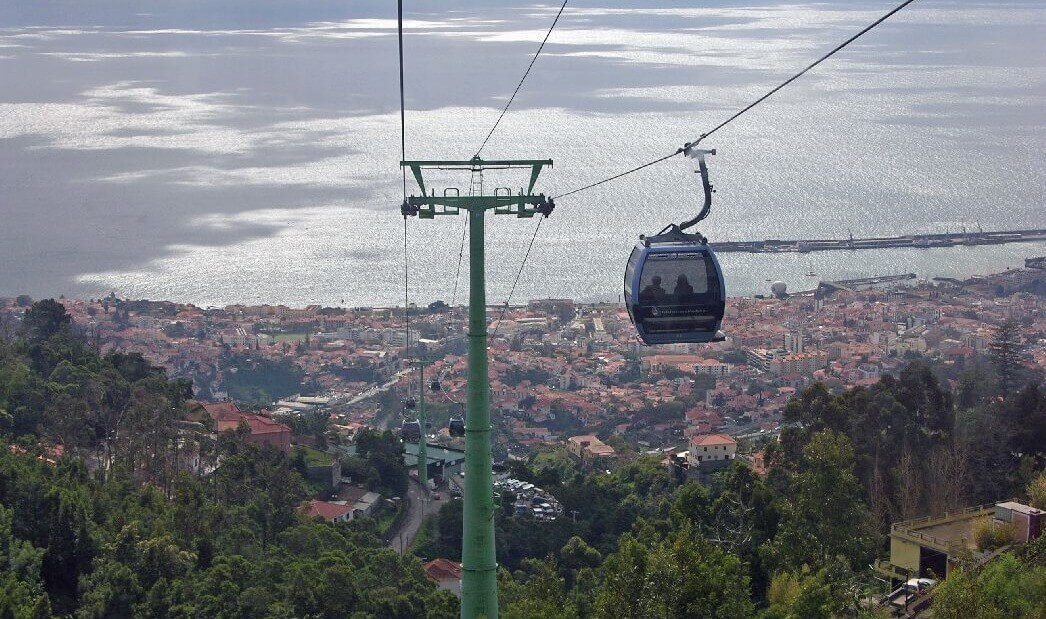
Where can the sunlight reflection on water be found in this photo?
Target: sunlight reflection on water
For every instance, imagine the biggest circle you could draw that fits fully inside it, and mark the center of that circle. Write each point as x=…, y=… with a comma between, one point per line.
x=264, y=183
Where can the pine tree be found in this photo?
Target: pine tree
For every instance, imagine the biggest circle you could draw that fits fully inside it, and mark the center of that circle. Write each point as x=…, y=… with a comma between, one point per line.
x=44, y=319
x=1005, y=352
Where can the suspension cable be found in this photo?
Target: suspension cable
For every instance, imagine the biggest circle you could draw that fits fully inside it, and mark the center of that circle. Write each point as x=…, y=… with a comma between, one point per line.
x=749, y=106
x=504, y=309
x=480, y=150
x=403, y=157
x=403, y=106
x=461, y=253
x=406, y=292
x=799, y=74
x=523, y=79
x=617, y=176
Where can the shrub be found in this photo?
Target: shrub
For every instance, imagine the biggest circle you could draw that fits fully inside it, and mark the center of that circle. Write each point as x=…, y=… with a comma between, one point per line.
x=991, y=535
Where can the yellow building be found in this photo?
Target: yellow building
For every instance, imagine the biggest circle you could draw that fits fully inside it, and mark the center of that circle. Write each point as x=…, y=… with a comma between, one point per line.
x=928, y=547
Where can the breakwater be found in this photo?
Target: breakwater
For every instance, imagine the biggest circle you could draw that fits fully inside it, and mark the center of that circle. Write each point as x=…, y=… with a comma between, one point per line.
x=925, y=241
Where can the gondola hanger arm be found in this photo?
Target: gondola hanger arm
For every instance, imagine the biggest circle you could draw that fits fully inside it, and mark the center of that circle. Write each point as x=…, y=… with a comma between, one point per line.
x=691, y=150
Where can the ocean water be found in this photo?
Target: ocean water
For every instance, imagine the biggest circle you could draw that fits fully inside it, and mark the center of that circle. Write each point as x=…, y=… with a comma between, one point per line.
x=247, y=152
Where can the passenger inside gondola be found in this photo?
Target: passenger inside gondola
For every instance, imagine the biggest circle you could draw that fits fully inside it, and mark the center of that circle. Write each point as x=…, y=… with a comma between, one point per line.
x=683, y=292
x=653, y=294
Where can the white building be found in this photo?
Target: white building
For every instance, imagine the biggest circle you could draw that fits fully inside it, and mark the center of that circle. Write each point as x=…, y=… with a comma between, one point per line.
x=711, y=449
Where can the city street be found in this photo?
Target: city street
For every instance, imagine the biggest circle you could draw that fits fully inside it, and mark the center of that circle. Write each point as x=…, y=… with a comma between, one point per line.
x=417, y=509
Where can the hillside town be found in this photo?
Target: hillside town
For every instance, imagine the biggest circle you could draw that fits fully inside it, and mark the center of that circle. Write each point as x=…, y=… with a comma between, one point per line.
x=586, y=420
x=561, y=369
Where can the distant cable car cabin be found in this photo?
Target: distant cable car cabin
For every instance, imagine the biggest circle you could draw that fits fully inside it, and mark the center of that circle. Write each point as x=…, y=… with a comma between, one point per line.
x=674, y=287
x=410, y=431
x=456, y=426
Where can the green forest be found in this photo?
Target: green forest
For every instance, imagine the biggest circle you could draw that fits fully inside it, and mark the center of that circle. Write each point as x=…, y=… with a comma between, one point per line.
x=117, y=523
x=799, y=543
x=116, y=527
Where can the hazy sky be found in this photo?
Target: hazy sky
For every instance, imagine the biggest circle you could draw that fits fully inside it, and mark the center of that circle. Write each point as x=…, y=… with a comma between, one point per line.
x=223, y=151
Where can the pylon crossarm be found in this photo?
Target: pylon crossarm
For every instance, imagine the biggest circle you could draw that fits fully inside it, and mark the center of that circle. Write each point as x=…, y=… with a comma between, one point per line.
x=476, y=162
x=520, y=205
x=475, y=165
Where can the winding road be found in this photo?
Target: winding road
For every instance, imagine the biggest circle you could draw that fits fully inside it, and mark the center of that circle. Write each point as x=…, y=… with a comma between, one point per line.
x=418, y=506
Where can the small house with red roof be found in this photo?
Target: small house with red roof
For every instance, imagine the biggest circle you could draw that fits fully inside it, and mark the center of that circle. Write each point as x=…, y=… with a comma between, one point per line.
x=758, y=464
x=331, y=512
x=445, y=573
x=264, y=431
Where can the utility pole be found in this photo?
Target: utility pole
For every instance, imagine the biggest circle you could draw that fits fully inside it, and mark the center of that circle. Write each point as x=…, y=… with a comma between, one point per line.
x=479, y=587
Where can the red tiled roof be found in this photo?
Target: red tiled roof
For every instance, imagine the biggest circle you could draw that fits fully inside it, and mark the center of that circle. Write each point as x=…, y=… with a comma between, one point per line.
x=220, y=411
x=327, y=511
x=258, y=424
x=711, y=439
x=442, y=569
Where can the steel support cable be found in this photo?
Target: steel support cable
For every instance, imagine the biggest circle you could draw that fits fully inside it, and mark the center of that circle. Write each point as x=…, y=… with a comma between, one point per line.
x=403, y=105
x=800, y=74
x=443, y=373
x=406, y=292
x=520, y=272
x=617, y=176
x=461, y=253
x=484, y=144
x=403, y=157
x=749, y=106
x=523, y=79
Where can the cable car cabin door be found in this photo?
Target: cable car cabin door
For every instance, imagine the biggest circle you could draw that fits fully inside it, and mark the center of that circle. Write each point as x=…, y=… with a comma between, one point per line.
x=674, y=293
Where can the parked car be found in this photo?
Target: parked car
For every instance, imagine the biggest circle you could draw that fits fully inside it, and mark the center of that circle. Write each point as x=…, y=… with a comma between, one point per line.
x=907, y=594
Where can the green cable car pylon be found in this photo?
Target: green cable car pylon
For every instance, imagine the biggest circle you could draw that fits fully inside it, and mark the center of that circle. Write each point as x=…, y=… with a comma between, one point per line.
x=479, y=586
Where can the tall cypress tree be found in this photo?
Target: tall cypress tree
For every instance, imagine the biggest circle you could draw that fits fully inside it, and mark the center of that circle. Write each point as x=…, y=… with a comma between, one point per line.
x=1005, y=352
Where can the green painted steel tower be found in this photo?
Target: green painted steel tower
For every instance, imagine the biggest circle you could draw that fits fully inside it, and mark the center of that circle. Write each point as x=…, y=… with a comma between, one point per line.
x=479, y=587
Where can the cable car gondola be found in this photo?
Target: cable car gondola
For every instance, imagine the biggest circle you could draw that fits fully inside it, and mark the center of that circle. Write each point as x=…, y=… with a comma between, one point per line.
x=456, y=425
x=410, y=431
x=674, y=288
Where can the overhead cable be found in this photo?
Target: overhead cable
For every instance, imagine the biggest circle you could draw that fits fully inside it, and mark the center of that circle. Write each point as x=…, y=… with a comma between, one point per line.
x=406, y=292
x=403, y=106
x=523, y=79
x=461, y=253
x=403, y=157
x=748, y=107
x=486, y=139
x=799, y=74
x=617, y=176
x=504, y=308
